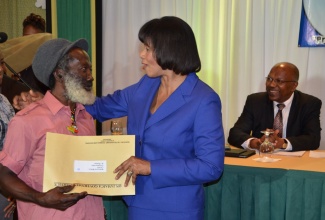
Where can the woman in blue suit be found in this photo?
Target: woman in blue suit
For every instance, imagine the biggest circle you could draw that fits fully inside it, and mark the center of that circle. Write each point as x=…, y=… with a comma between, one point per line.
x=177, y=122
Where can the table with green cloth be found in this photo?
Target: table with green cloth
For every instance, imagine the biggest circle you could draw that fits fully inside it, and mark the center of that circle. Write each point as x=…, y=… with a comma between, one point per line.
x=292, y=188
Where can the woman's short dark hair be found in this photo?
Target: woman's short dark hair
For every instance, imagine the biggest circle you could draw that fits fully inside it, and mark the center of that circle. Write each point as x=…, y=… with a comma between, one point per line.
x=173, y=43
x=36, y=21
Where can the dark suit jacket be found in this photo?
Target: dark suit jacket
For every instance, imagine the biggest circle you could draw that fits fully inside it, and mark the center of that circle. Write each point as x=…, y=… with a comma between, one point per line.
x=11, y=87
x=303, y=128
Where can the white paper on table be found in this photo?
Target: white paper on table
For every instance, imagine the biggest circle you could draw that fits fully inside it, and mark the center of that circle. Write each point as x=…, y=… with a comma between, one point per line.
x=317, y=154
x=266, y=159
x=289, y=153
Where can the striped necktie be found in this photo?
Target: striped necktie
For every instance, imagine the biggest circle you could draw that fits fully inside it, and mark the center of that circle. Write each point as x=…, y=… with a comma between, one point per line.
x=278, y=123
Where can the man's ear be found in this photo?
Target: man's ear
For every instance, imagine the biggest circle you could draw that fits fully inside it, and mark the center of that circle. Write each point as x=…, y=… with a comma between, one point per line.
x=58, y=75
x=295, y=86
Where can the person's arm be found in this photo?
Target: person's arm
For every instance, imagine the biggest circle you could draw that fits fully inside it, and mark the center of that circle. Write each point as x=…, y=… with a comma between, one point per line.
x=306, y=134
x=252, y=143
x=55, y=198
x=177, y=167
x=257, y=116
x=115, y=105
x=240, y=133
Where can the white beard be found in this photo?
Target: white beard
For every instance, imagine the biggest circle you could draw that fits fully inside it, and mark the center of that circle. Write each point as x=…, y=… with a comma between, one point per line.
x=75, y=91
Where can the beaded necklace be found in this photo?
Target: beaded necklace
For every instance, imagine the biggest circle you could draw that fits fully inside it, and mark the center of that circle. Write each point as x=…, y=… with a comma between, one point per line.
x=73, y=127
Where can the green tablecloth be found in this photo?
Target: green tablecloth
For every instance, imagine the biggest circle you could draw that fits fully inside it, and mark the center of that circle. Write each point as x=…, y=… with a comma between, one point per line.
x=250, y=193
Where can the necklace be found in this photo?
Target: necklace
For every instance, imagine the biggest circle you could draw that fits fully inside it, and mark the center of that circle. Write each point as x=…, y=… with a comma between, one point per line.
x=73, y=127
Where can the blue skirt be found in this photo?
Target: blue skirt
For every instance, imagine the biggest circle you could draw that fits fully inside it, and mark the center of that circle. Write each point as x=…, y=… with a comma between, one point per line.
x=135, y=213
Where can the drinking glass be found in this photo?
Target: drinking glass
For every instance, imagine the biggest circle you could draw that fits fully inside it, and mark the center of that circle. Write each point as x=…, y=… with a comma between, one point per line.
x=266, y=148
x=116, y=127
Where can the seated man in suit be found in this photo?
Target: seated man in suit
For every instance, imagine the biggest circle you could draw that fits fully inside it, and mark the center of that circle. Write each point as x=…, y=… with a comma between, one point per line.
x=299, y=119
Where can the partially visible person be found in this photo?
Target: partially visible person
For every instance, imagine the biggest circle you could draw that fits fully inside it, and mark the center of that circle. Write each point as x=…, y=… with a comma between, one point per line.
x=8, y=86
x=301, y=114
x=177, y=121
x=8, y=89
x=6, y=113
x=33, y=24
x=65, y=68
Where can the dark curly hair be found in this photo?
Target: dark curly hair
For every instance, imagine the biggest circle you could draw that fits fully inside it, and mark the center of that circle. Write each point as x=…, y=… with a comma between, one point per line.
x=36, y=21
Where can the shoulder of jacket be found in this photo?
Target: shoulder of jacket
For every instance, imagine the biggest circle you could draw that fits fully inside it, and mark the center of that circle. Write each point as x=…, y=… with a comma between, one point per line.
x=307, y=97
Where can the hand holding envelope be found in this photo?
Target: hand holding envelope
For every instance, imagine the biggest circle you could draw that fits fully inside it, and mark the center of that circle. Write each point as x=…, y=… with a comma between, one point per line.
x=88, y=162
x=133, y=167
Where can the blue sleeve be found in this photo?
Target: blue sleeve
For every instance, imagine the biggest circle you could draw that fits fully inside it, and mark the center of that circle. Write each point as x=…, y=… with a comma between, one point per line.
x=109, y=106
x=113, y=105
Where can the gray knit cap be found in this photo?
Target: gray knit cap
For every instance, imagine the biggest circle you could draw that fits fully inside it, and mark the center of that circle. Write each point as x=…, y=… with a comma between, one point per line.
x=49, y=54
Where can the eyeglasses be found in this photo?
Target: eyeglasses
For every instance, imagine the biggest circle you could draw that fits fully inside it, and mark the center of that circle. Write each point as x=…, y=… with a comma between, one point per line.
x=277, y=81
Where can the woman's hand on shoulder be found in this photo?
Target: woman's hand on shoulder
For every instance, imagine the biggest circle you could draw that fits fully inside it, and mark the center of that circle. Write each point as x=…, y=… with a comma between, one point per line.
x=25, y=98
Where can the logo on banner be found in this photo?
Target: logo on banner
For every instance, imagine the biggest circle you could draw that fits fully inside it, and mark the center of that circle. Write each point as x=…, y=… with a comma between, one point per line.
x=312, y=25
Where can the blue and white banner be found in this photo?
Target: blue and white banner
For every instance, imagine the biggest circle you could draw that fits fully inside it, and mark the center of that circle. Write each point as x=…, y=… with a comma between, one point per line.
x=312, y=24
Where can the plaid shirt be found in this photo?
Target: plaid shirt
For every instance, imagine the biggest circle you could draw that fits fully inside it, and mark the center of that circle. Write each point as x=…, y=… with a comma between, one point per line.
x=6, y=113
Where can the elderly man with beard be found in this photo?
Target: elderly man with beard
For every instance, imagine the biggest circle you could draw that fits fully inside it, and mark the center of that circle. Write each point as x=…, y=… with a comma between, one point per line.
x=65, y=68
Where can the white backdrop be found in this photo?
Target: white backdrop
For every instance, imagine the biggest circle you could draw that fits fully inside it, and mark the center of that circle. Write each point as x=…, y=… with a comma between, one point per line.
x=239, y=41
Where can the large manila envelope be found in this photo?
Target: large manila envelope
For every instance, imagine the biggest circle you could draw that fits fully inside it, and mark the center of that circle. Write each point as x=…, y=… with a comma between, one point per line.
x=88, y=162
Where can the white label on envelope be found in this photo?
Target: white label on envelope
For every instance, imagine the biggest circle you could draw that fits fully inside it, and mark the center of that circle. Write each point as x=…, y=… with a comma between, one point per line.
x=88, y=166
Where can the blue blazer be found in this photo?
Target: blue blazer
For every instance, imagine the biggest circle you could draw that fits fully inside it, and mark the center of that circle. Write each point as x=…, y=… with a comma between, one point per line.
x=183, y=140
